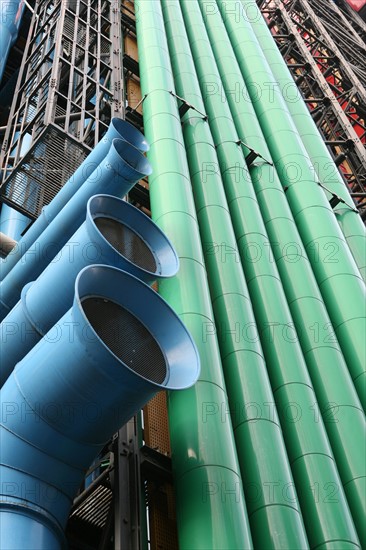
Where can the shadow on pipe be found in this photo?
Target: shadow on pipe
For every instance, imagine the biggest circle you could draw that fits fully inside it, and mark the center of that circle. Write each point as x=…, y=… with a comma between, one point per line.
x=117, y=346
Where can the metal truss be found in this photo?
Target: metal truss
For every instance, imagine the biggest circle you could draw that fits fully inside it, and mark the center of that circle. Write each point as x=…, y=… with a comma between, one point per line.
x=70, y=85
x=352, y=18
x=327, y=59
x=130, y=65
x=346, y=32
x=110, y=511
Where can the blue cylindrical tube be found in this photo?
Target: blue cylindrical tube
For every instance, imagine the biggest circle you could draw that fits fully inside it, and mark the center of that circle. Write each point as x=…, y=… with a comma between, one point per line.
x=118, y=129
x=10, y=18
x=117, y=346
x=114, y=233
x=123, y=166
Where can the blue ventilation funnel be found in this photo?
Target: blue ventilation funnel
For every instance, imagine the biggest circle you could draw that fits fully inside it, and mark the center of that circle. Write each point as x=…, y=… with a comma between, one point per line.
x=114, y=233
x=118, y=172
x=117, y=346
x=118, y=129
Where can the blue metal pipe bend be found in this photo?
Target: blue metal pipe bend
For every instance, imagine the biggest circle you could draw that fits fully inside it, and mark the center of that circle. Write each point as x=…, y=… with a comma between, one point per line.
x=118, y=172
x=110, y=223
x=77, y=386
x=118, y=129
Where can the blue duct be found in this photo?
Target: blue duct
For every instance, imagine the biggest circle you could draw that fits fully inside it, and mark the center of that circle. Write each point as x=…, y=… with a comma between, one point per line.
x=117, y=173
x=10, y=17
x=118, y=129
x=67, y=397
x=115, y=233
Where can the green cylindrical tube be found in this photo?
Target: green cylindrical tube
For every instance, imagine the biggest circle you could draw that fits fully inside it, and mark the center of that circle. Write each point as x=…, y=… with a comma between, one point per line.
x=204, y=457
x=327, y=249
x=243, y=362
x=328, y=173
x=287, y=368
x=335, y=393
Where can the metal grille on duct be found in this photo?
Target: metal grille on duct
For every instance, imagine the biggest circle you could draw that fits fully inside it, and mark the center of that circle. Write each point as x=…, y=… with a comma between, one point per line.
x=43, y=171
x=126, y=337
x=94, y=510
x=127, y=242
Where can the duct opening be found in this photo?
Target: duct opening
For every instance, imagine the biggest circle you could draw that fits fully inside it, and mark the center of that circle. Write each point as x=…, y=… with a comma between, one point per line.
x=130, y=134
x=127, y=242
x=132, y=157
x=126, y=337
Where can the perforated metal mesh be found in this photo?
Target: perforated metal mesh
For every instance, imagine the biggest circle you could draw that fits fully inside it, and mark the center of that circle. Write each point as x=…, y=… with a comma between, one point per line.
x=126, y=337
x=156, y=428
x=127, y=242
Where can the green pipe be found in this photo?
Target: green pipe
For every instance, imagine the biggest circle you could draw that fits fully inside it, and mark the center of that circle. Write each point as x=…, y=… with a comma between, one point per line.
x=345, y=322
x=338, y=402
x=243, y=362
x=337, y=274
x=350, y=221
x=210, y=503
x=307, y=441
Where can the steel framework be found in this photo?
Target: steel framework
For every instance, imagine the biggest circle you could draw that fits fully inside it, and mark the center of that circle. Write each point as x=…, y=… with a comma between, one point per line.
x=327, y=58
x=352, y=18
x=70, y=85
x=132, y=475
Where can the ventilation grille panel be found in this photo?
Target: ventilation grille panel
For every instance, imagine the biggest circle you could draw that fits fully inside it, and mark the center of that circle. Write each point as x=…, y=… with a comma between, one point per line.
x=127, y=242
x=42, y=172
x=126, y=337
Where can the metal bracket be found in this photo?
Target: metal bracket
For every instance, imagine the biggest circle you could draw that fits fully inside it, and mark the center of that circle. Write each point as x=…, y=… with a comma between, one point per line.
x=140, y=102
x=336, y=199
x=253, y=155
x=340, y=158
x=249, y=159
x=185, y=106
